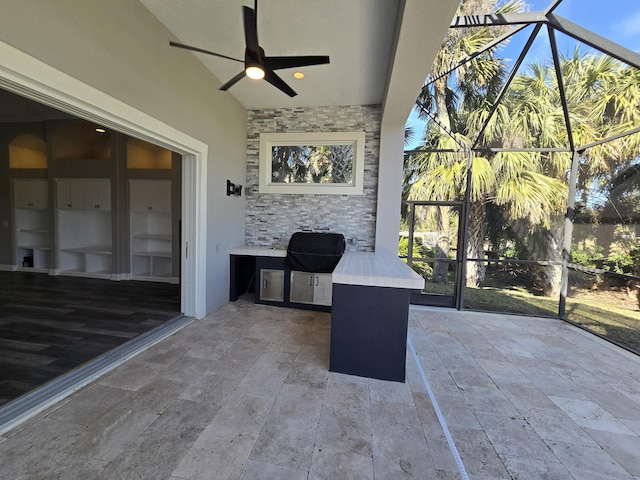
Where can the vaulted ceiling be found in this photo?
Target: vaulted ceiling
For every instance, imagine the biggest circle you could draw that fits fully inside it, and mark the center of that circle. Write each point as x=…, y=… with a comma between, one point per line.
x=356, y=34
x=380, y=50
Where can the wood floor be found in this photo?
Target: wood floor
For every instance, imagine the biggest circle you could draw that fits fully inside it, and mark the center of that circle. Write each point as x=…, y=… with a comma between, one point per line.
x=51, y=324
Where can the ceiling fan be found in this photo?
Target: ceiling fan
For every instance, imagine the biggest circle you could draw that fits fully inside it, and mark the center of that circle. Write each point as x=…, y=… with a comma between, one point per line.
x=256, y=64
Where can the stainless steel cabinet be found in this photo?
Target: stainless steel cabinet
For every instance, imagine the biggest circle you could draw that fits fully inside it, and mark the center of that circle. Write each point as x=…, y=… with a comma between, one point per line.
x=323, y=289
x=312, y=288
x=272, y=285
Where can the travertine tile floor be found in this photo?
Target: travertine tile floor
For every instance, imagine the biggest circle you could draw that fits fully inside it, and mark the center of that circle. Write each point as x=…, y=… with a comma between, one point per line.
x=245, y=394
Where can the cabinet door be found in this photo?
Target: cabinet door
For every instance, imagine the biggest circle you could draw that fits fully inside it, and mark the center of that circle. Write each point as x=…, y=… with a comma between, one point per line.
x=82, y=193
x=30, y=193
x=322, y=289
x=272, y=285
x=150, y=195
x=302, y=285
x=73, y=193
x=103, y=194
x=137, y=196
x=63, y=193
x=160, y=196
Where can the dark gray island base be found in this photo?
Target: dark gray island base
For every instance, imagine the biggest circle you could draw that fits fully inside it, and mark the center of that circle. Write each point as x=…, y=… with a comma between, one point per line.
x=369, y=331
x=370, y=314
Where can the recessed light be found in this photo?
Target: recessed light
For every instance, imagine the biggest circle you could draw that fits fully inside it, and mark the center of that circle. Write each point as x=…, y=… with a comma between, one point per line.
x=100, y=130
x=298, y=75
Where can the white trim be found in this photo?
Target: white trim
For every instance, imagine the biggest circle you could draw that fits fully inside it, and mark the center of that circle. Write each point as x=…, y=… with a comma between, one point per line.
x=25, y=75
x=8, y=268
x=194, y=179
x=269, y=140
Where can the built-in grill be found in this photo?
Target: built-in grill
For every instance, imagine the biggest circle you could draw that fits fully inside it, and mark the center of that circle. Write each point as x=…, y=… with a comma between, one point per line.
x=314, y=251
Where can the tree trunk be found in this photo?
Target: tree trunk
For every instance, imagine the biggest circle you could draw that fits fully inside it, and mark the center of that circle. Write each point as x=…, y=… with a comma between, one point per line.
x=440, y=98
x=605, y=233
x=443, y=243
x=475, y=246
x=553, y=273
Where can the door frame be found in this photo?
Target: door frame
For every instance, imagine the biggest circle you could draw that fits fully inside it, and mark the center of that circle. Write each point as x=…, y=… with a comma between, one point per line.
x=440, y=300
x=21, y=73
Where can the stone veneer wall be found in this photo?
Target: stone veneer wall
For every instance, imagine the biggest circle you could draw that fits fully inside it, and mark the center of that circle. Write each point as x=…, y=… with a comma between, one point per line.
x=270, y=217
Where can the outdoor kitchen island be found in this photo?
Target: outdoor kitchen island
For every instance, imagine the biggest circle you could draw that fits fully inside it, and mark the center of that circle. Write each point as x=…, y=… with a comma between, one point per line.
x=369, y=306
x=369, y=315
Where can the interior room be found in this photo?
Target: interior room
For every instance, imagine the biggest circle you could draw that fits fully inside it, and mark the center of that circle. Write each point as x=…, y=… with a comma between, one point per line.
x=81, y=202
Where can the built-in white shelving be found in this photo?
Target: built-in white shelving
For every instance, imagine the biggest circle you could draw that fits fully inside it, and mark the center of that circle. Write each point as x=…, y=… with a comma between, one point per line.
x=83, y=226
x=31, y=224
x=150, y=230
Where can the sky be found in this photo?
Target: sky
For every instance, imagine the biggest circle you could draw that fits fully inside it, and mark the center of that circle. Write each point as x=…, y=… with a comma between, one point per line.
x=616, y=20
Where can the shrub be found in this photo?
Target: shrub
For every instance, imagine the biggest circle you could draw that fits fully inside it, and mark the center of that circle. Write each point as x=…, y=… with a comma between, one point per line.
x=510, y=252
x=634, y=253
x=421, y=268
x=403, y=248
x=620, y=263
x=580, y=257
x=586, y=258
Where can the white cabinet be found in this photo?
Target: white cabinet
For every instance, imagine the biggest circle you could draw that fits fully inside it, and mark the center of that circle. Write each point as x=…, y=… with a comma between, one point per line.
x=150, y=230
x=30, y=193
x=312, y=288
x=83, y=193
x=84, y=227
x=31, y=224
x=150, y=196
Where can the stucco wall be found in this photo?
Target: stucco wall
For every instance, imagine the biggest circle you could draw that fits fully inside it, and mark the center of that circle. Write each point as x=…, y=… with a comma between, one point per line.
x=271, y=216
x=119, y=48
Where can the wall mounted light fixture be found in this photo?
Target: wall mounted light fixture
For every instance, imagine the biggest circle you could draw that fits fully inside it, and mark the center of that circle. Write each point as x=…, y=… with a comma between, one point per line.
x=233, y=189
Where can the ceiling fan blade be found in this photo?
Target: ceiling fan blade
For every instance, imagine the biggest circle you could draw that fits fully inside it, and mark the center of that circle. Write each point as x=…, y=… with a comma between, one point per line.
x=277, y=82
x=250, y=29
x=233, y=81
x=196, y=49
x=276, y=63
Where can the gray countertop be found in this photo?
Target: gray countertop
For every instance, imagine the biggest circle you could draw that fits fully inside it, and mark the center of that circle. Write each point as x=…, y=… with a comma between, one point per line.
x=356, y=268
x=376, y=270
x=257, y=251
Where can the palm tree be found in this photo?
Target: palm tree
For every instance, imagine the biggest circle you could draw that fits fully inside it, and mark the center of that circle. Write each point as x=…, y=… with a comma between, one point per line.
x=603, y=100
x=613, y=99
x=447, y=98
x=529, y=188
x=287, y=164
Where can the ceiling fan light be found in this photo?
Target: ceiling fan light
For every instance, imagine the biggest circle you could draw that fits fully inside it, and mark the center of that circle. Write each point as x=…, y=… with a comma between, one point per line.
x=254, y=72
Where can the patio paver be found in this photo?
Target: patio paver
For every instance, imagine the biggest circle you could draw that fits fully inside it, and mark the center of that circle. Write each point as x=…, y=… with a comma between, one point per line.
x=245, y=394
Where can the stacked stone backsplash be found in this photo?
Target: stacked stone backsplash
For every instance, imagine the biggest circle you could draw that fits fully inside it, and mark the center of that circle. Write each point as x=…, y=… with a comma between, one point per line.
x=273, y=218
